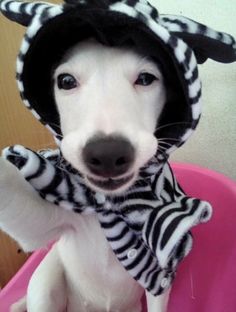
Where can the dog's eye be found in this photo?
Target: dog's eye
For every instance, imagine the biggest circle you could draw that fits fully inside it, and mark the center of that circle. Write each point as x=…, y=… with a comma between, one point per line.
x=66, y=82
x=145, y=79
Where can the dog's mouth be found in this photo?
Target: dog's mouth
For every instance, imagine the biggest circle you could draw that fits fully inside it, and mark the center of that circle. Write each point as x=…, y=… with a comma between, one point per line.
x=110, y=184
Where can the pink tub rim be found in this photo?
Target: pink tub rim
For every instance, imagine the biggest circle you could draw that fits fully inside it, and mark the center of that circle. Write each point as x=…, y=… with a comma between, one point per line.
x=227, y=181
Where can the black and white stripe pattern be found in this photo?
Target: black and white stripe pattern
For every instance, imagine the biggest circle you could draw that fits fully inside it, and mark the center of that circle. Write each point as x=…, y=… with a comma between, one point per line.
x=147, y=227
x=177, y=24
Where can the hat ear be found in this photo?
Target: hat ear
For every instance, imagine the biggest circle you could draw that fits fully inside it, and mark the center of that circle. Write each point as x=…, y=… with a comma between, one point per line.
x=21, y=12
x=204, y=41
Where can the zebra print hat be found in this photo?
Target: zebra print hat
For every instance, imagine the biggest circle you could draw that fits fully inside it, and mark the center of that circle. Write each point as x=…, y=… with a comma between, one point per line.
x=176, y=42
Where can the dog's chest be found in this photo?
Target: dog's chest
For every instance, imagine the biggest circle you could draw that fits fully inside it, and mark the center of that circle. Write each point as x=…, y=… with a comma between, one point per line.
x=92, y=268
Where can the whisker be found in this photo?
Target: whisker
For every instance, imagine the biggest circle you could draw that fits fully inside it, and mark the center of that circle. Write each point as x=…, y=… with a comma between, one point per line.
x=166, y=145
x=162, y=141
x=172, y=139
x=173, y=124
x=161, y=150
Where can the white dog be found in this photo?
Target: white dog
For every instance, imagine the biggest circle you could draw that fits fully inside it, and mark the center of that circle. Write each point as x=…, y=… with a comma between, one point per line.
x=107, y=100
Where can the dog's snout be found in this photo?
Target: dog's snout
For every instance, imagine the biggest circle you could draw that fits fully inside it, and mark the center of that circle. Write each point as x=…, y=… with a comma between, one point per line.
x=108, y=156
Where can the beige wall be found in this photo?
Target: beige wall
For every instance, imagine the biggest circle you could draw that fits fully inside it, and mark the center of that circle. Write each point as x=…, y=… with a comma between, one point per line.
x=214, y=143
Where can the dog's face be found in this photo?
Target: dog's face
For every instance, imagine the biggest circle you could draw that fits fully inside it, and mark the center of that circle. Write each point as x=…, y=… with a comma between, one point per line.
x=109, y=101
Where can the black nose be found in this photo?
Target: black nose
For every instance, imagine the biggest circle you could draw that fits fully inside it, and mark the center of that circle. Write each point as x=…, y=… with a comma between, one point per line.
x=108, y=156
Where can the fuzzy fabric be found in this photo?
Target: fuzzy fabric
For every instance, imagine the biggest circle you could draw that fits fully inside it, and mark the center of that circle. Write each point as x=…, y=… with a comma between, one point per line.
x=148, y=226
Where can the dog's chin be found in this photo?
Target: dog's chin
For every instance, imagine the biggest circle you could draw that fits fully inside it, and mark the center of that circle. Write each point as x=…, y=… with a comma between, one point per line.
x=110, y=186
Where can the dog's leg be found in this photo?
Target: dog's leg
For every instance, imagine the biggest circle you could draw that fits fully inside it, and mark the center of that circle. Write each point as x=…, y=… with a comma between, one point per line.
x=24, y=215
x=157, y=304
x=47, y=290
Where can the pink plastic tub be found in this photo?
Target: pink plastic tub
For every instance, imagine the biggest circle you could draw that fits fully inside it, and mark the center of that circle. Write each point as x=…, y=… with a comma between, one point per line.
x=206, y=280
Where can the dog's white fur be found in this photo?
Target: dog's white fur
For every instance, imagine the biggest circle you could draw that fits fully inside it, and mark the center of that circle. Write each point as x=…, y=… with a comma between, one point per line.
x=107, y=100
x=81, y=271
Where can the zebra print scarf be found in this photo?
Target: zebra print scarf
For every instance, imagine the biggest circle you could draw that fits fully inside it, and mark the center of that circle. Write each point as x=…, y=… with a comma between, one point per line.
x=147, y=227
